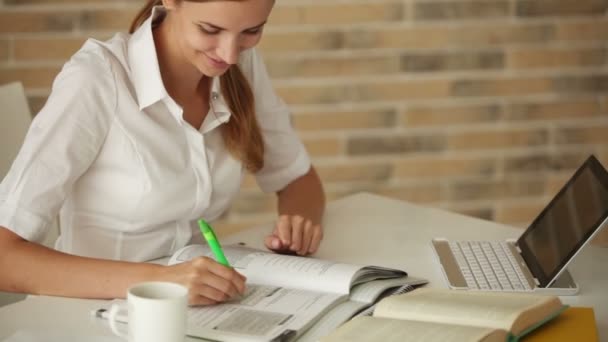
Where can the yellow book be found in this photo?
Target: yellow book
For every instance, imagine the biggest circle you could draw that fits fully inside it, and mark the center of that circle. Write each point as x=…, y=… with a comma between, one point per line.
x=430, y=315
x=574, y=324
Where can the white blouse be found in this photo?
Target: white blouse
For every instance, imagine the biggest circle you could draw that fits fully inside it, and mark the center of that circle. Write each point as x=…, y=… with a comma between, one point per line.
x=111, y=153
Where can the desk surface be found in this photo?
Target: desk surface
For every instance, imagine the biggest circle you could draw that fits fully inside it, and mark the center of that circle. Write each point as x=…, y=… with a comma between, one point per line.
x=362, y=228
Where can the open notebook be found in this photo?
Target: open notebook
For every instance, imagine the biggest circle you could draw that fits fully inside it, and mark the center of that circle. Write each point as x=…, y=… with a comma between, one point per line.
x=537, y=260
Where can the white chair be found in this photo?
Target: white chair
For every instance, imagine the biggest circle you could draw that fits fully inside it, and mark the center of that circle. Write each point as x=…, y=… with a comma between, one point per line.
x=15, y=119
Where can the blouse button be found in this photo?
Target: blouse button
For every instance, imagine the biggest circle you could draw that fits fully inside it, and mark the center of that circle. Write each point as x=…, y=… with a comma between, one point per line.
x=215, y=96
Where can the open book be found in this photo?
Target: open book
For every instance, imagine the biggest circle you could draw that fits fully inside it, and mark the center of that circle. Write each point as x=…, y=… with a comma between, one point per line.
x=441, y=315
x=287, y=294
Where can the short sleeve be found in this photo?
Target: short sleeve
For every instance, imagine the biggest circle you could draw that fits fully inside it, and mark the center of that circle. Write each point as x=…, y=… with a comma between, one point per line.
x=285, y=157
x=62, y=142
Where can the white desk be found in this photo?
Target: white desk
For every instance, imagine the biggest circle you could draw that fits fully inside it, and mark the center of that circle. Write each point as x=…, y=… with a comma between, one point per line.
x=363, y=229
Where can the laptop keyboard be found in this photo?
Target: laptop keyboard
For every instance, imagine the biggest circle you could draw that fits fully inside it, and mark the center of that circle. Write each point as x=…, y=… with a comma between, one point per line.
x=488, y=266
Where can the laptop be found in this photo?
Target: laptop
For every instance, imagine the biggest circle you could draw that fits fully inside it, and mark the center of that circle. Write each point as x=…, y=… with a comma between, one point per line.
x=537, y=260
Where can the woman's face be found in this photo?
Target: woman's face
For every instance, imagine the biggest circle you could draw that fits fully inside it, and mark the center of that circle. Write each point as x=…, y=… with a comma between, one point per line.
x=212, y=34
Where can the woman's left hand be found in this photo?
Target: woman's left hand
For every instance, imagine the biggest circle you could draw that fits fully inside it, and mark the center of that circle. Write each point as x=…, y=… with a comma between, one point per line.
x=295, y=234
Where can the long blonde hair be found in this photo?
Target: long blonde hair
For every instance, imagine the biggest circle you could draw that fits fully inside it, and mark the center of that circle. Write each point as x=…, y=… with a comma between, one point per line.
x=241, y=134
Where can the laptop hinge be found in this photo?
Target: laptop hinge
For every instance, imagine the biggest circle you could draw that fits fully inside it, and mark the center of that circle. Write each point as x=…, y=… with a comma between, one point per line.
x=520, y=253
x=517, y=248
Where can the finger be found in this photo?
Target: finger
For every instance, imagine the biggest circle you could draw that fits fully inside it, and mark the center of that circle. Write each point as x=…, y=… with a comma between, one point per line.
x=195, y=299
x=208, y=293
x=306, y=237
x=297, y=227
x=273, y=242
x=283, y=228
x=235, y=279
x=221, y=277
x=315, y=241
x=229, y=287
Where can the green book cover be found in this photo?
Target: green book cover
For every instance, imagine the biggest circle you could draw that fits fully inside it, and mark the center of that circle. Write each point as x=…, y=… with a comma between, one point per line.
x=516, y=338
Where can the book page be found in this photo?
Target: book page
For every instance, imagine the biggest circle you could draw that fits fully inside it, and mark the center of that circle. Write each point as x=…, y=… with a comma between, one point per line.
x=264, y=312
x=332, y=320
x=370, y=292
x=393, y=330
x=261, y=267
x=485, y=309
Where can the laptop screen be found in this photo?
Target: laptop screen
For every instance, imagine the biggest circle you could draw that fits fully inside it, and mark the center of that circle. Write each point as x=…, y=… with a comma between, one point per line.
x=567, y=222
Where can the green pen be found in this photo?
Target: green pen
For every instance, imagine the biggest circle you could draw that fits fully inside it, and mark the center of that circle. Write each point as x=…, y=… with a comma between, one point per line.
x=214, y=244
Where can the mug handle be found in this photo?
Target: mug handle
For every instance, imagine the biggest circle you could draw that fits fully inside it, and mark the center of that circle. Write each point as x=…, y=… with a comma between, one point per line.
x=114, y=316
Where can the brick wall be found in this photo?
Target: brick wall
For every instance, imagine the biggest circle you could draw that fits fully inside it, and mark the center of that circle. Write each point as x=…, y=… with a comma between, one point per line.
x=483, y=107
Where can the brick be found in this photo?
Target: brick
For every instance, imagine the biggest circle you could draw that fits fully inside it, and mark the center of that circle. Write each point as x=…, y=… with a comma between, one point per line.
x=249, y=182
x=556, y=181
x=332, y=13
x=556, y=57
x=542, y=162
x=318, y=93
x=595, y=134
x=440, y=37
x=36, y=102
x=521, y=213
x=602, y=155
x=327, y=93
x=536, y=8
x=64, y=2
x=444, y=167
x=596, y=83
x=497, y=138
x=226, y=227
x=318, y=66
x=496, y=189
x=484, y=60
x=441, y=10
x=284, y=15
x=391, y=144
x=501, y=87
x=401, y=90
x=4, y=50
x=451, y=115
x=31, y=77
x=30, y=49
x=252, y=203
x=118, y=19
x=355, y=172
x=17, y=21
x=556, y=109
x=351, y=13
x=500, y=34
x=589, y=29
x=415, y=193
x=323, y=147
x=601, y=239
x=344, y=120
x=284, y=41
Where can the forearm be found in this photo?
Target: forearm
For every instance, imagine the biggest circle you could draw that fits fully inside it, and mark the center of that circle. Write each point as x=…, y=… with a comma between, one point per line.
x=304, y=196
x=31, y=268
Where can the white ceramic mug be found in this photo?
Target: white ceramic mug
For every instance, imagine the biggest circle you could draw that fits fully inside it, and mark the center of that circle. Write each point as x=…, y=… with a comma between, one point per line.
x=156, y=312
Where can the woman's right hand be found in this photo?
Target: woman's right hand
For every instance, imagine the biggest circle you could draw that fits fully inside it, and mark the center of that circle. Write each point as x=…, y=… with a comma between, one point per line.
x=208, y=281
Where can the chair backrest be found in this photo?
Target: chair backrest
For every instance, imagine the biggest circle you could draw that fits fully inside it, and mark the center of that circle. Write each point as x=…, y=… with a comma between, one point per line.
x=15, y=119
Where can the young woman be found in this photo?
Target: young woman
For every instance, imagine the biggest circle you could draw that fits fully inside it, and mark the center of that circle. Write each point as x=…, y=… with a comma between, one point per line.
x=141, y=136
